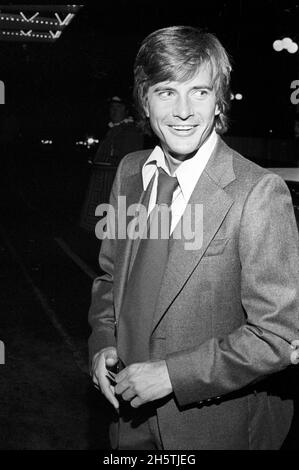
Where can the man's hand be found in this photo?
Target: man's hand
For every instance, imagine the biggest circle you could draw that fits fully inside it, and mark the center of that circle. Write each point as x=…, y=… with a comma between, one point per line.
x=143, y=382
x=105, y=358
x=295, y=352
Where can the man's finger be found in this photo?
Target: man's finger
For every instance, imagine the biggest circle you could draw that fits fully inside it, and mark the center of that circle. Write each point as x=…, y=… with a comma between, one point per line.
x=121, y=375
x=109, y=393
x=97, y=387
x=104, y=385
x=95, y=381
x=136, y=402
x=121, y=387
x=128, y=395
x=111, y=360
x=126, y=372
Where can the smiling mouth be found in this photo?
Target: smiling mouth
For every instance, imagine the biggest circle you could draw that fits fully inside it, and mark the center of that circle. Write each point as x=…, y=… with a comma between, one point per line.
x=183, y=127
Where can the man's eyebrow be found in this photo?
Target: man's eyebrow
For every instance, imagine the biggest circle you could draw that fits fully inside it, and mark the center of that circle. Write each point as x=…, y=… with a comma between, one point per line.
x=202, y=87
x=163, y=88
x=159, y=88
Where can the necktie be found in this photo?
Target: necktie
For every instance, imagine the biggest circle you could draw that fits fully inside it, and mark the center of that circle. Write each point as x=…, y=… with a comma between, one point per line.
x=136, y=316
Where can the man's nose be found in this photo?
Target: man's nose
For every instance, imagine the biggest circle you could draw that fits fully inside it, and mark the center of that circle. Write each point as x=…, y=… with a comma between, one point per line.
x=183, y=107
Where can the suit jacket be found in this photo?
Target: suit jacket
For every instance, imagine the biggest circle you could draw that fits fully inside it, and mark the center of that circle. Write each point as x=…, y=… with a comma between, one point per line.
x=226, y=312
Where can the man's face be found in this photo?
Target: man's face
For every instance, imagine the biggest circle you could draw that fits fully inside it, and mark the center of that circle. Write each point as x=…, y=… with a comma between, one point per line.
x=182, y=113
x=117, y=111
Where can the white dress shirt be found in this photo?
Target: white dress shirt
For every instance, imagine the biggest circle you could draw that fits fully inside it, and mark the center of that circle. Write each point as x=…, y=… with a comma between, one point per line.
x=187, y=173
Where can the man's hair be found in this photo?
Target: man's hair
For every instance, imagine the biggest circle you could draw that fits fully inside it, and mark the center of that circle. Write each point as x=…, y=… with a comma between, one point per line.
x=175, y=54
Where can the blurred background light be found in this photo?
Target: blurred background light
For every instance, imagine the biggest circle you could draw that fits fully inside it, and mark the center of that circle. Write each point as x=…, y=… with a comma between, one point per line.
x=286, y=42
x=277, y=45
x=292, y=48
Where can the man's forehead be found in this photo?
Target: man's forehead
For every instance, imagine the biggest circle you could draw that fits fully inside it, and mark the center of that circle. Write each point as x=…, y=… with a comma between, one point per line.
x=201, y=77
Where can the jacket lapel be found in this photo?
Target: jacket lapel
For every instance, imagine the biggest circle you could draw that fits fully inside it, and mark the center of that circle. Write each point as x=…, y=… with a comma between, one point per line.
x=133, y=191
x=132, y=188
x=215, y=204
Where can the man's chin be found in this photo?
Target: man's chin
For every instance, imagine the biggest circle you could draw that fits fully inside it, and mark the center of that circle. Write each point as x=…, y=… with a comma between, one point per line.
x=182, y=156
x=182, y=153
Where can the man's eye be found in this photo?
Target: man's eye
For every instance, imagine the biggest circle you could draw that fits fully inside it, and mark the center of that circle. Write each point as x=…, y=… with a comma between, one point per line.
x=165, y=94
x=201, y=93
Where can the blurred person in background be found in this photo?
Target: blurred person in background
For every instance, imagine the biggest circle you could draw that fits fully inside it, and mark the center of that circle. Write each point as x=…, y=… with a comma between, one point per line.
x=123, y=135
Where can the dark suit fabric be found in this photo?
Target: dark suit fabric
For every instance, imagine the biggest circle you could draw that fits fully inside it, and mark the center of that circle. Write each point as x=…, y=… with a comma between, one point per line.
x=226, y=312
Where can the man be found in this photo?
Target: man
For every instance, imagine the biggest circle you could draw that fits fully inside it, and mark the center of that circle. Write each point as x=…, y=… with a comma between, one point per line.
x=202, y=341
x=123, y=135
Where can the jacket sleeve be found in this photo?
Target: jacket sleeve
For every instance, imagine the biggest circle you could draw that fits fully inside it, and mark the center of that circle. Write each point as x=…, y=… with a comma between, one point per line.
x=101, y=312
x=268, y=250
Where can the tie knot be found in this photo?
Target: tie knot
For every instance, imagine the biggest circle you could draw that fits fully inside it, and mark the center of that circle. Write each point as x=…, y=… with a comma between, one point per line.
x=166, y=186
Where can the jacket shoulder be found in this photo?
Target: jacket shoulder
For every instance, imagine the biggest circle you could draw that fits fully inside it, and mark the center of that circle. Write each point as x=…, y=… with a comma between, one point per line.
x=133, y=161
x=244, y=173
x=248, y=173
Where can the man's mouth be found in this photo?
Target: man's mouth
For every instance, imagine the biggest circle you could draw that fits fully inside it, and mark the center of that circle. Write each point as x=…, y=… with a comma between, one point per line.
x=183, y=127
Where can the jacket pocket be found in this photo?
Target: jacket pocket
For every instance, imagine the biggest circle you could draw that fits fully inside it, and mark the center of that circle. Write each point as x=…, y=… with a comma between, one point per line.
x=216, y=247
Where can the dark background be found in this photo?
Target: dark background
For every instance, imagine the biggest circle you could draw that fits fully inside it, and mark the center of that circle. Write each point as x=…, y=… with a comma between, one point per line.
x=62, y=88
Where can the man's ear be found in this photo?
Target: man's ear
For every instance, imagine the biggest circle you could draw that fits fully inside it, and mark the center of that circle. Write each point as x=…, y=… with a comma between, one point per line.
x=217, y=110
x=145, y=107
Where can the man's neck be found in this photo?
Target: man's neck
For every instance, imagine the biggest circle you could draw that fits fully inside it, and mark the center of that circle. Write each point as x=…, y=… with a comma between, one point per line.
x=172, y=163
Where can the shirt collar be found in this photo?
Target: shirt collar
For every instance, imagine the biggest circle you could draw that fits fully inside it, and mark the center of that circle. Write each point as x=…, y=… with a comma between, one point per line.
x=155, y=160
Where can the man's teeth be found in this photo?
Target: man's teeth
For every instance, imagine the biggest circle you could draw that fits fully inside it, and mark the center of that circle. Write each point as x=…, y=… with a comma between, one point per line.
x=182, y=128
